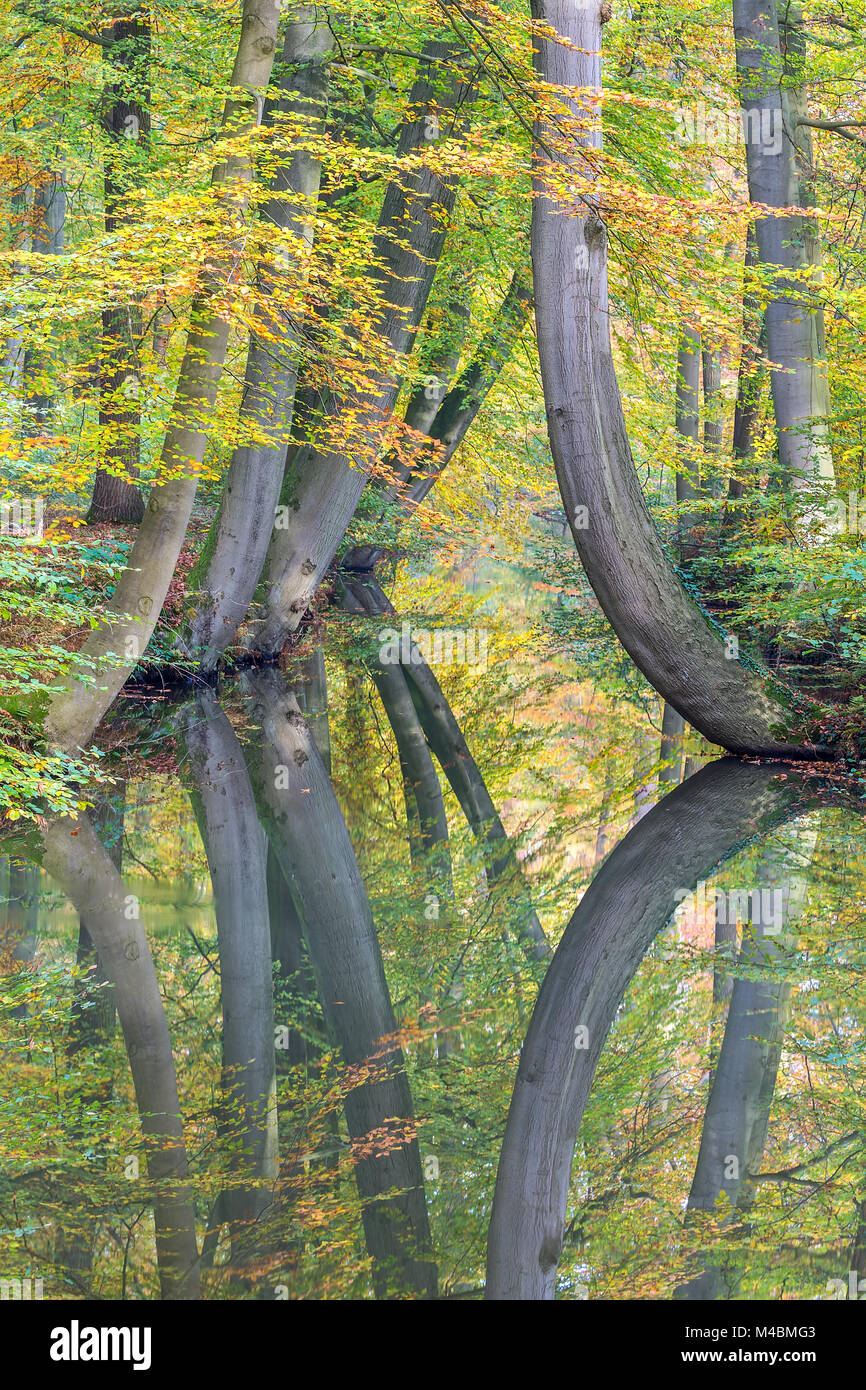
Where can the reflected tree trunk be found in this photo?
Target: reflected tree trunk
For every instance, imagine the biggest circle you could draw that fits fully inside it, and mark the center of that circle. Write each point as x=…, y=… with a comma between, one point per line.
x=76, y=860
x=309, y=837
x=236, y=849
x=630, y=899
x=741, y=1093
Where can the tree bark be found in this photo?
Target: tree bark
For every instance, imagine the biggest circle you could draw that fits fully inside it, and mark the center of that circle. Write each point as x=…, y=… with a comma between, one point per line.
x=236, y=849
x=630, y=899
x=311, y=842
x=324, y=485
x=446, y=740
x=81, y=866
x=235, y=551
x=108, y=655
x=126, y=122
x=655, y=620
x=455, y=415
x=795, y=345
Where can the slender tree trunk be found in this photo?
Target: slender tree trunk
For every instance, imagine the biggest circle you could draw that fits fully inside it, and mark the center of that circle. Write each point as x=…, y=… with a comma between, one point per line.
x=48, y=213
x=235, y=551
x=236, y=849
x=738, y=1109
x=771, y=109
x=81, y=866
x=126, y=122
x=446, y=740
x=751, y=372
x=111, y=652
x=324, y=485
x=455, y=415
x=665, y=634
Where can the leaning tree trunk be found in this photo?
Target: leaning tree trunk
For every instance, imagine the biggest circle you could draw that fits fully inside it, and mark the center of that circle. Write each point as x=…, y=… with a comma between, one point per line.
x=454, y=416
x=660, y=627
x=100, y=668
x=309, y=837
x=236, y=548
x=126, y=121
x=445, y=738
x=633, y=895
x=323, y=485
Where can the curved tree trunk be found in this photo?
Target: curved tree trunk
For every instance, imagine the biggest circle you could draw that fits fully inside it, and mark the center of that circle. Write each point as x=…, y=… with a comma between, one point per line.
x=655, y=620
x=631, y=898
x=106, y=658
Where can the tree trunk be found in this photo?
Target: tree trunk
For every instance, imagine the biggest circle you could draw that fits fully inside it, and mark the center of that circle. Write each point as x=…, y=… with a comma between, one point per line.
x=235, y=551
x=445, y=738
x=655, y=620
x=112, y=650
x=311, y=842
x=324, y=485
x=738, y=1109
x=126, y=122
x=771, y=107
x=629, y=901
x=236, y=849
x=81, y=866
x=455, y=415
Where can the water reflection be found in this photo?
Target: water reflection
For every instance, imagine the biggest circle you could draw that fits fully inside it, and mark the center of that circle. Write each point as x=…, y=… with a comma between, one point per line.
x=322, y=1045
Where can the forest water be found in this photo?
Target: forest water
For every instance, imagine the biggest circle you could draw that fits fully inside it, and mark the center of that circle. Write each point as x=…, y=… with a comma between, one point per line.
x=261, y=1029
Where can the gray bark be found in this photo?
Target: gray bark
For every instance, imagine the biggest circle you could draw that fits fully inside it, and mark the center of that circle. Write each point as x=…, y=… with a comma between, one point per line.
x=662, y=630
x=236, y=849
x=630, y=899
x=99, y=670
x=455, y=415
x=126, y=122
x=738, y=1109
x=236, y=550
x=323, y=486
x=81, y=866
x=309, y=837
